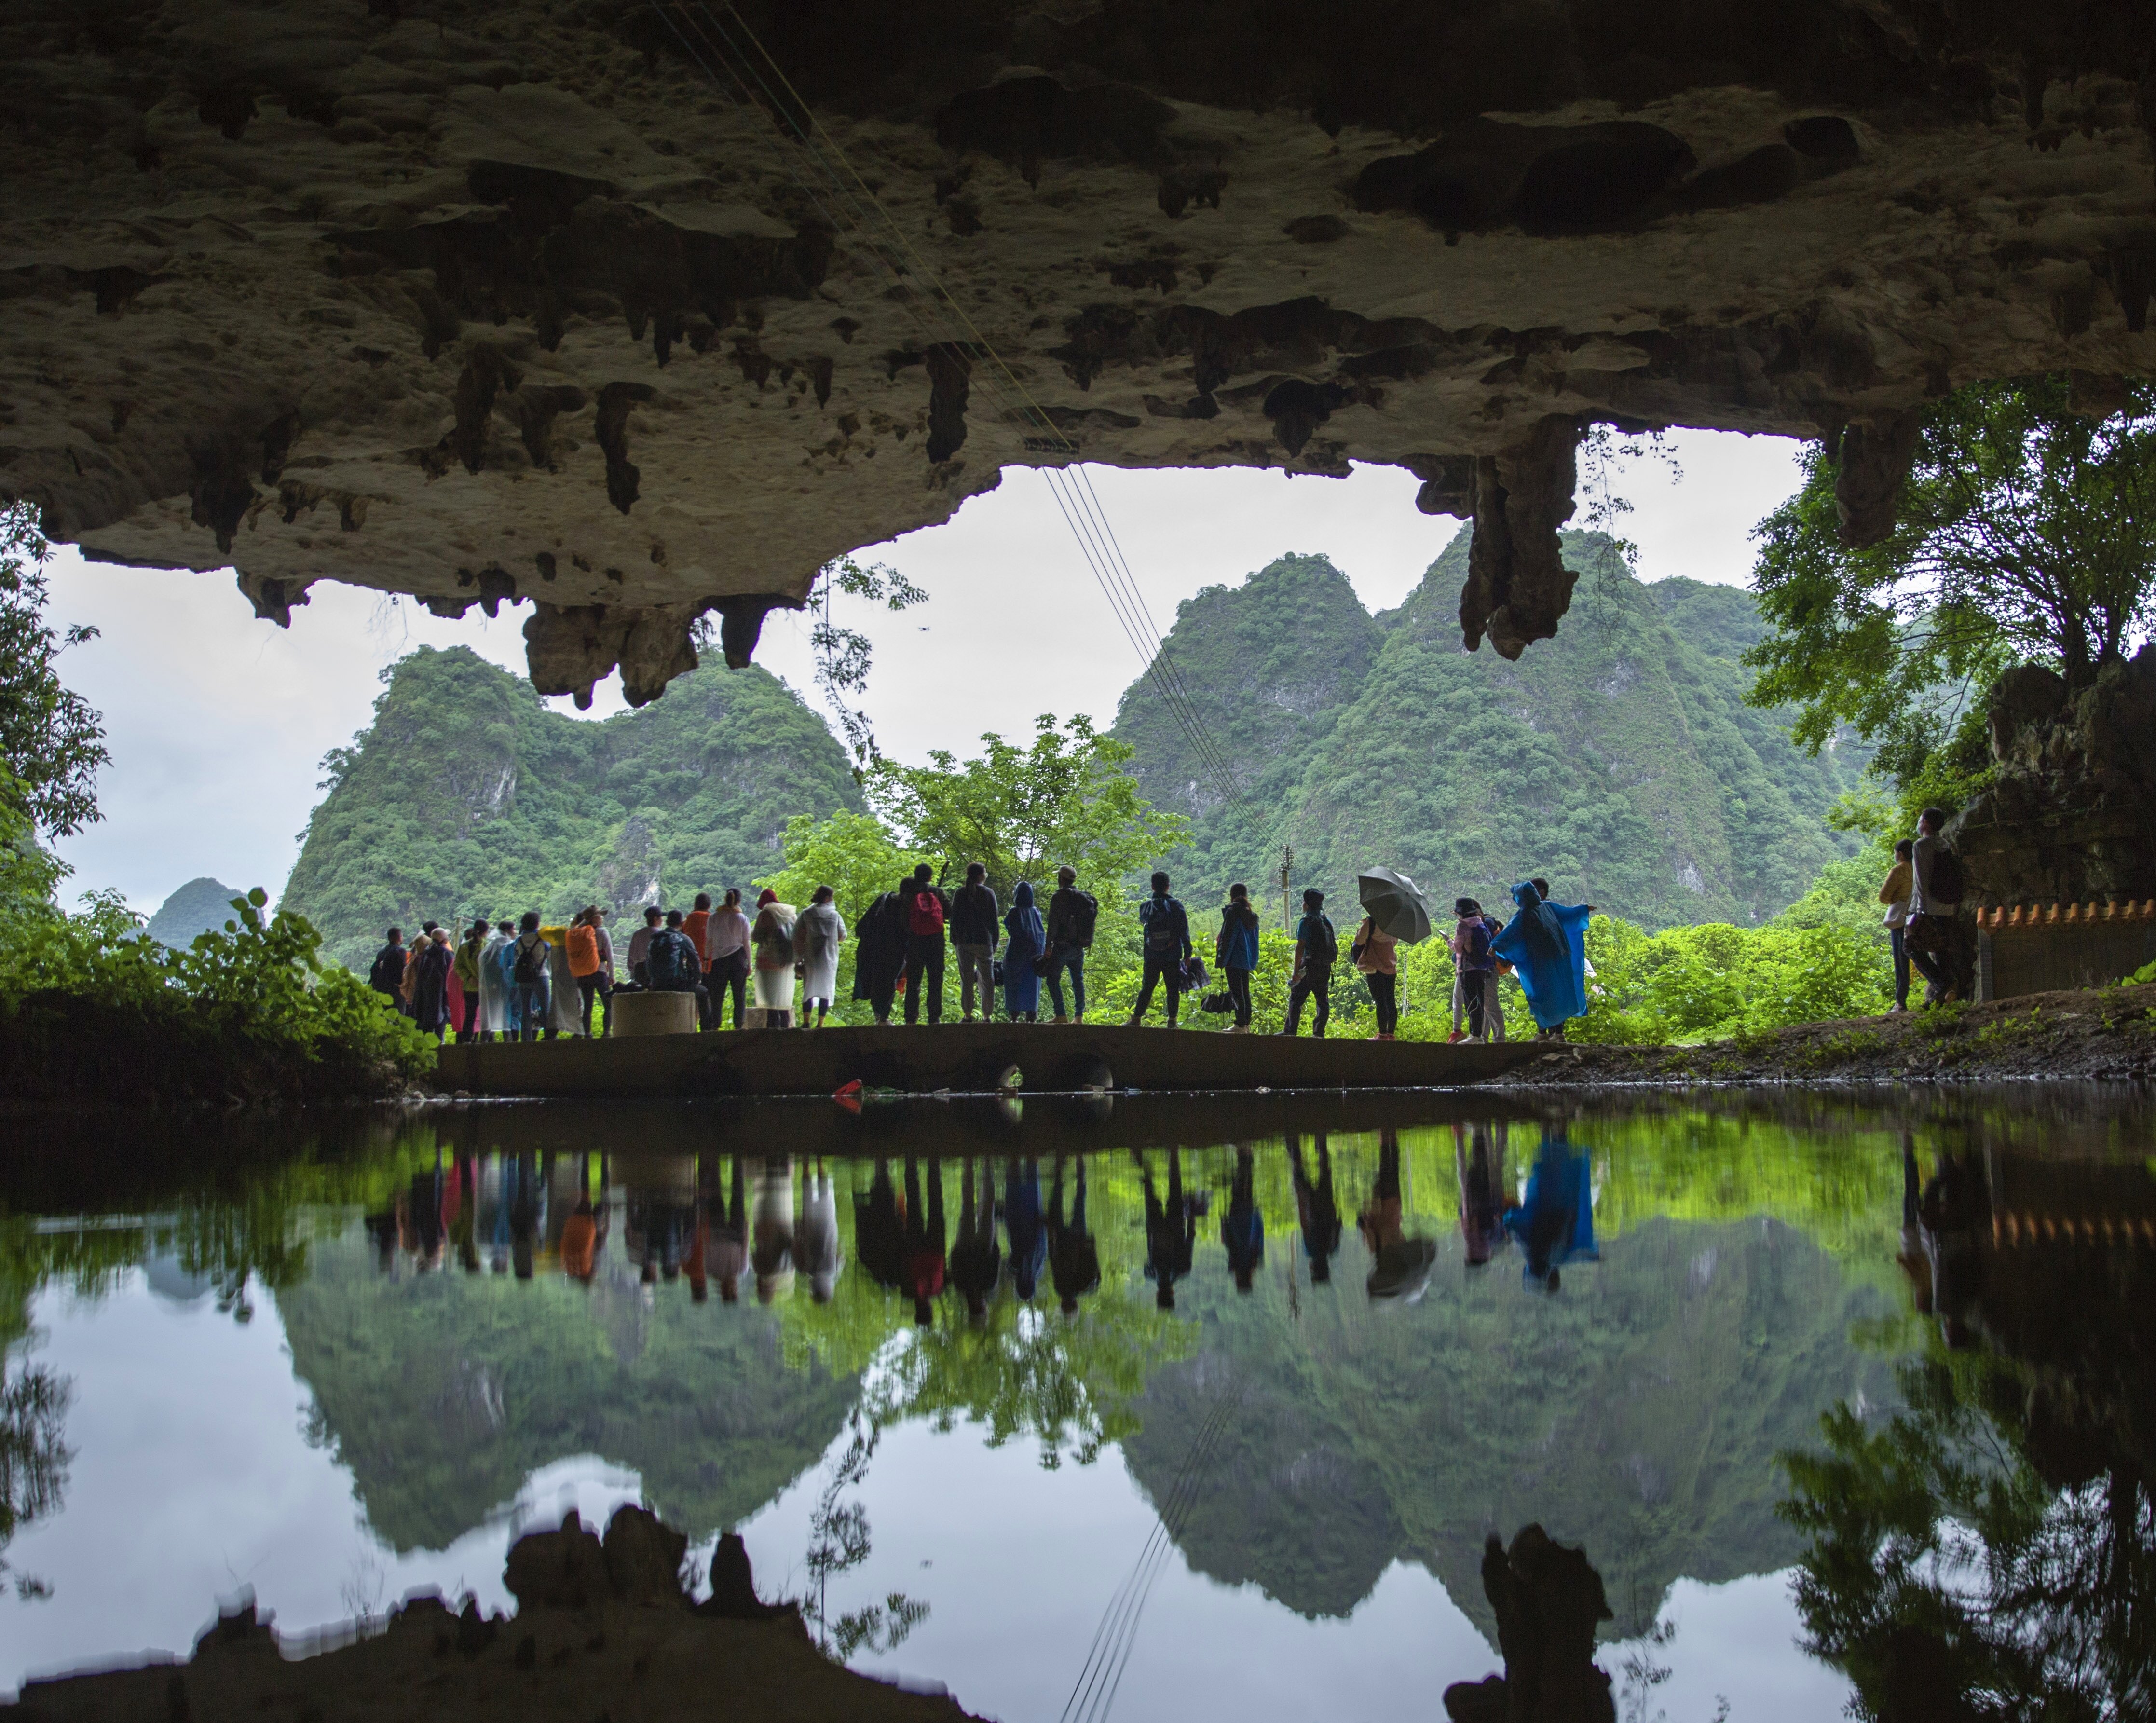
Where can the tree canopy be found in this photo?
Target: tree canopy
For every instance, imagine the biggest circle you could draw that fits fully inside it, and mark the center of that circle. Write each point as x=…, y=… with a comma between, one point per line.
x=52, y=741
x=2025, y=532
x=1021, y=811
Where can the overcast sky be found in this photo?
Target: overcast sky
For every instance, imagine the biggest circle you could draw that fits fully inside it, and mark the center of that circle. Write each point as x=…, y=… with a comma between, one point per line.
x=217, y=721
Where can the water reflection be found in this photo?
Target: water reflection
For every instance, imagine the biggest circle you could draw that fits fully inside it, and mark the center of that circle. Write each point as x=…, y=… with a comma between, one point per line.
x=473, y=1297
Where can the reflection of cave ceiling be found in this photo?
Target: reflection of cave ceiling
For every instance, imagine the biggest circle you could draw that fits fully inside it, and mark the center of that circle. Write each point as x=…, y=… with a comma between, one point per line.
x=503, y=301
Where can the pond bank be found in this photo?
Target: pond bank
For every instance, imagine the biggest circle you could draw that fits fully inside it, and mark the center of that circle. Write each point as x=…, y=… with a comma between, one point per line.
x=2104, y=1034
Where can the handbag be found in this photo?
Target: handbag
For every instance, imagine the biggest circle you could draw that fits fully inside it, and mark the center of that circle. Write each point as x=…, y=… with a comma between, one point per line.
x=998, y=970
x=1217, y=1003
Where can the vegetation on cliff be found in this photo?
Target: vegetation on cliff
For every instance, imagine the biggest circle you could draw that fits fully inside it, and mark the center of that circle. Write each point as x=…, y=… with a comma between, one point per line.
x=467, y=796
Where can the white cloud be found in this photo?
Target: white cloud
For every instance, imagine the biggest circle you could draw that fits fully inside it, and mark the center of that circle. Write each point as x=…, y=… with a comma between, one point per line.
x=217, y=721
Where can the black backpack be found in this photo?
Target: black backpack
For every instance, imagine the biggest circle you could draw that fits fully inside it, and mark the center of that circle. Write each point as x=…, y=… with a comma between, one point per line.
x=672, y=962
x=1164, y=920
x=532, y=961
x=1083, y=914
x=1328, y=954
x=1946, y=881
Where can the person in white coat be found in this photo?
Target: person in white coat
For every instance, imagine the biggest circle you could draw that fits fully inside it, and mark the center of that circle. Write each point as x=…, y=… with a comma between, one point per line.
x=493, y=984
x=818, y=934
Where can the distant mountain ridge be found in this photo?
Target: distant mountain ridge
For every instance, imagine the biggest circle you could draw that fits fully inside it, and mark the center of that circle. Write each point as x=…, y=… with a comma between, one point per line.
x=196, y=907
x=1618, y=760
x=468, y=795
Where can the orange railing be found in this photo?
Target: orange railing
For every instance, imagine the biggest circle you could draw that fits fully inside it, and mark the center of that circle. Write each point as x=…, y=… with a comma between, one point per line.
x=2034, y=915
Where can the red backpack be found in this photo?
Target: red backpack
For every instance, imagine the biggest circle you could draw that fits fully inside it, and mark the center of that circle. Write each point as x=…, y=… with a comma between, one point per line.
x=924, y=915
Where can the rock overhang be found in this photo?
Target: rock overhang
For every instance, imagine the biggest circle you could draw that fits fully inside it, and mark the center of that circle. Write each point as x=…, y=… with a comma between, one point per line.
x=510, y=303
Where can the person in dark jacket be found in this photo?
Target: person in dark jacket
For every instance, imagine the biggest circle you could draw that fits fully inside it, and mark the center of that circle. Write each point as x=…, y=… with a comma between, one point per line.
x=1236, y=951
x=1070, y=914
x=673, y=965
x=430, y=992
x=1074, y=1260
x=977, y=1260
x=880, y=951
x=924, y=1239
x=1243, y=1227
x=878, y=1234
x=1316, y=949
x=1165, y=935
x=1170, y=1230
x=975, y=925
x=386, y=976
x=927, y=913
x=1316, y=1208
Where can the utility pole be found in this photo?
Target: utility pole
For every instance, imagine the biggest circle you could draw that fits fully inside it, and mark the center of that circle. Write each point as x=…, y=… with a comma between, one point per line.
x=1287, y=875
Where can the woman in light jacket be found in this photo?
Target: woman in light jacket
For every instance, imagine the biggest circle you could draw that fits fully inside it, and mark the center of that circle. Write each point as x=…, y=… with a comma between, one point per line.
x=818, y=935
x=771, y=938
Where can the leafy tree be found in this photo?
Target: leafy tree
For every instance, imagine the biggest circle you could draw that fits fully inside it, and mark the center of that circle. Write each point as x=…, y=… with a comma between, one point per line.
x=51, y=740
x=854, y=854
x=1951, y=1580
x=2025, y=532
x=1023, y=812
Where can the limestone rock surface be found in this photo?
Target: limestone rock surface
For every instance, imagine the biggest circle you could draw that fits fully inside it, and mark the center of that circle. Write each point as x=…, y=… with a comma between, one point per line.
x=547, y=301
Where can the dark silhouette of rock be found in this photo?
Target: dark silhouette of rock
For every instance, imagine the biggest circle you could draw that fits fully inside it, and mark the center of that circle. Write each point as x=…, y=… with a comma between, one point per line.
x=1549, y=1599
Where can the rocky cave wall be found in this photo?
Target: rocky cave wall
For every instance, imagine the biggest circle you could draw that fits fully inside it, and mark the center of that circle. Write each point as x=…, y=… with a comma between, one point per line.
x=508, y=301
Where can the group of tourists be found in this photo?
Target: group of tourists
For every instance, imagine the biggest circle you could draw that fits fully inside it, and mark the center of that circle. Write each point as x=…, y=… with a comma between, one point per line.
x=1923, y=894
x=528, y=980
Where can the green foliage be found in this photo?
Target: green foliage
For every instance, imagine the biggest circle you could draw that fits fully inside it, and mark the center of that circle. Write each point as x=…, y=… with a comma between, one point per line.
x=1940, y=1563
x=2022, y=535
x=1714, y=982
x=466, y=795
x=1023, y=812
x=51, y=741
x=90, y=1007
x=1618, y=760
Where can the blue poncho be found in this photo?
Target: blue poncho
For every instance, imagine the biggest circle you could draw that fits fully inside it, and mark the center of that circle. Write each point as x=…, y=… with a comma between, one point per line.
x=1547, y=945
x=1555, y=1222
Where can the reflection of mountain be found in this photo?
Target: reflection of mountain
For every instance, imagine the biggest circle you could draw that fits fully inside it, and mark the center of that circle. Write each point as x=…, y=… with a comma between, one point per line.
x=443, y=1391
x=1636, y=1413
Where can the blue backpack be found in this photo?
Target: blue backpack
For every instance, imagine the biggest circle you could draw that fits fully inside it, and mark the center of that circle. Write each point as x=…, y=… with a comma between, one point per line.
x=671, y=963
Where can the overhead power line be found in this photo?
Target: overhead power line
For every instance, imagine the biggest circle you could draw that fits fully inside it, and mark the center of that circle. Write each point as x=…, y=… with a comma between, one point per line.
x=730, y=54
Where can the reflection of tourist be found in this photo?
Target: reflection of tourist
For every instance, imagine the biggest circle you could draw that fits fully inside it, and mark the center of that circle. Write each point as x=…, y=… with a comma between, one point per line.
x=1242, y=1228
x=1914, y=1259
x=725, y=1244
x=924, y=1239
x=1399, y=1264
x=1316, y=1207
x=1954, y=1204
x=1170, y=1230
x=977, y=1261
x=771, y=1245
x=816, y=1240
x=523, y=1206
x=1482, y=1190
x=1029, y=1242
x=1073, y=1261
x=1555, y=1224
x=878, y=1239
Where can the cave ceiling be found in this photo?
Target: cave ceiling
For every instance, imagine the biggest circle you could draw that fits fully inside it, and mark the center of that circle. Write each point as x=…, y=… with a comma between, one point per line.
x=515, y=304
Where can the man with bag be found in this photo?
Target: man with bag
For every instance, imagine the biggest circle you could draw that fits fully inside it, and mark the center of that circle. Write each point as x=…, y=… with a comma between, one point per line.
x=1165, y=933
x=1071, y=914
x=1316, y=949
x=1933, y=932
x=927, y=912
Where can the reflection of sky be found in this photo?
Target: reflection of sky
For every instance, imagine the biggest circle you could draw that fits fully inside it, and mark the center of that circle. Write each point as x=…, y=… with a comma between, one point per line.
x=191, y=1477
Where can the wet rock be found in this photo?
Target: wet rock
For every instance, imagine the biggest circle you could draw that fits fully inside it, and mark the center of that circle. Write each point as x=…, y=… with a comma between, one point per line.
x=521, y=288
x=558, y=1570
x=644, y=1557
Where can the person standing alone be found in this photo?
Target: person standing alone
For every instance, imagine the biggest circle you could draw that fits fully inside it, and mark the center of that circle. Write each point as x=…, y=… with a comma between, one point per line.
x=1932, y=936
x=974, y=914
x=1165, y=935
x=1895, y=895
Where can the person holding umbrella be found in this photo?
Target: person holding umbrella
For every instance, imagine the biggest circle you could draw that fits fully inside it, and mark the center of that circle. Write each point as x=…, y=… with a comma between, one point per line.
x=1394, y=914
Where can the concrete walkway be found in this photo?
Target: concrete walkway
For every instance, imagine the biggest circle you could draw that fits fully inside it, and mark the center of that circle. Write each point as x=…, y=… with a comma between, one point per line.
x=964, y=1058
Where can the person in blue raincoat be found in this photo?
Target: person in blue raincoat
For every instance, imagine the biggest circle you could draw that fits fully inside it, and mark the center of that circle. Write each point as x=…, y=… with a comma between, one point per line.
x=1545, y=943
x=1028, y=940
x=1555, y=1224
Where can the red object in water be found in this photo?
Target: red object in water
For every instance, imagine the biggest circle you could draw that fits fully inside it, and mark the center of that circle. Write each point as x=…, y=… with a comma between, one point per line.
x=847, y=1095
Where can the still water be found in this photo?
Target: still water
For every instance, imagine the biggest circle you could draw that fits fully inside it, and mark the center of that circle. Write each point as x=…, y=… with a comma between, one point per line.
x=1221, y=1397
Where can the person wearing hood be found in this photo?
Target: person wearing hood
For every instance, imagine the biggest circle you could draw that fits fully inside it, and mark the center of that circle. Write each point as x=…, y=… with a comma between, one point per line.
x=816, y=1251
x=1554, y=1221
x=880, y=950
x=469, y=969
x=1545, y=943
x=497, y=986
x=1022, y=1221
x=818, y=934
x=430, y=987
x=1028, y=941
x=773, y=937
x=1235, y=951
